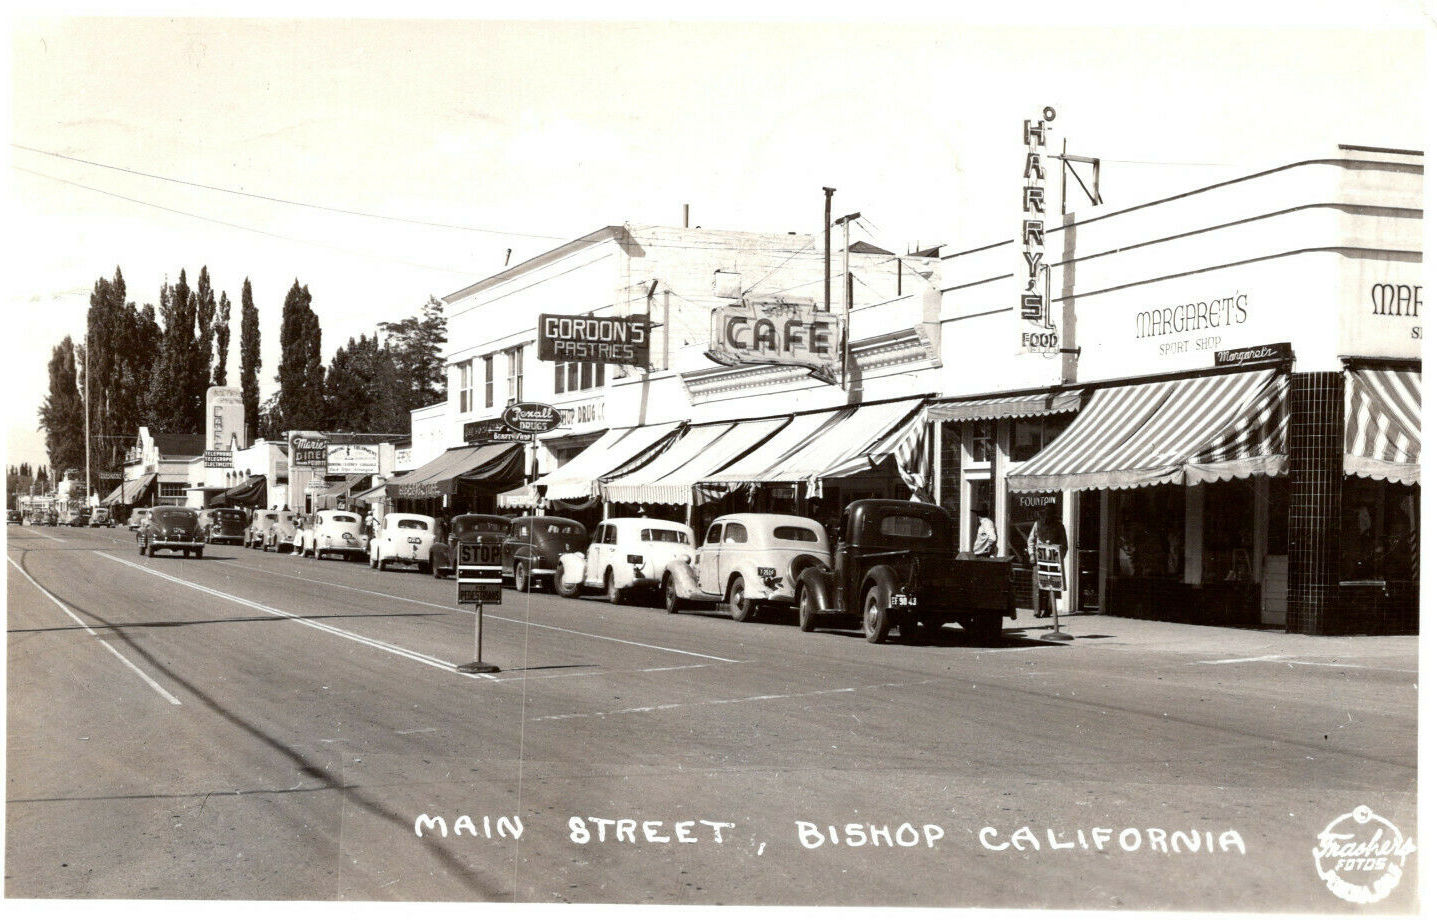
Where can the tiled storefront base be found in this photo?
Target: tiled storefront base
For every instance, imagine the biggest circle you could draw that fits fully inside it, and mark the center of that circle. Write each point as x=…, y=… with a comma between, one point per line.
x=1376, y=607
x=1165, y=600
x=1314, y=456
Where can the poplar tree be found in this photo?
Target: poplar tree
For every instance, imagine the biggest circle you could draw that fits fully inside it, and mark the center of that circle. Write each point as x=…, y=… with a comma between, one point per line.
x=222, y=342
x=62, y=413
x=301, y=373
x=249, y=361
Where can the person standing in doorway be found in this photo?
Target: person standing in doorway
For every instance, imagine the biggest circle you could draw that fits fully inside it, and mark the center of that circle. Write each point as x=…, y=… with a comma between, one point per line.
x=985, y=537
x=1047, y=530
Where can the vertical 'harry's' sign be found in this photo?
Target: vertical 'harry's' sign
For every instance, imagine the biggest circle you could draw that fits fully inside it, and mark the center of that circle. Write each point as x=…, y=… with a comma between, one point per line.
x=1036, y=331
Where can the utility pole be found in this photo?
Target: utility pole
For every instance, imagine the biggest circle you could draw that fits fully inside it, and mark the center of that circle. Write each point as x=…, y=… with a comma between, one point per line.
x=828, y=192
x=847, y=291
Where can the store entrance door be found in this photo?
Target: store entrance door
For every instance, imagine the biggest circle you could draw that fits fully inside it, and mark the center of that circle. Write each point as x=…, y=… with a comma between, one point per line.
x=1089, y=531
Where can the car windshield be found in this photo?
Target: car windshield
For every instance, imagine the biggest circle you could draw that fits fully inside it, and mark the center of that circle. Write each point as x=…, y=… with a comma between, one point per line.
x=419, y=524
x=344, y=517
x=559, y=528
x=663, y=535
x=175, y=518
x=795, y=534
x=467, y=524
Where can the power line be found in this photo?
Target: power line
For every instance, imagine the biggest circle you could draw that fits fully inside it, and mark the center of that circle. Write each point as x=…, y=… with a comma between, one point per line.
x=242, y=227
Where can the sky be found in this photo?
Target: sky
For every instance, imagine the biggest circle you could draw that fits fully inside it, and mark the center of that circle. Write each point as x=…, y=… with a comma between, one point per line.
x=435, y=147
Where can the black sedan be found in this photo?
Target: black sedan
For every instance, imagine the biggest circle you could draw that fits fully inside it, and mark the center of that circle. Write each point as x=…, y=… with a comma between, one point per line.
x=469, y=527
x=176, y=528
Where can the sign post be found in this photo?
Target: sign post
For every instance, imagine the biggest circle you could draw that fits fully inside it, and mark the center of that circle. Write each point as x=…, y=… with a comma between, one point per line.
x=478, y=581
x=1051, y=580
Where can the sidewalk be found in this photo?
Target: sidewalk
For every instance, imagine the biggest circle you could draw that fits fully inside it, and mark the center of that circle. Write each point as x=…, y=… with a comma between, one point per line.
x=1112, y=631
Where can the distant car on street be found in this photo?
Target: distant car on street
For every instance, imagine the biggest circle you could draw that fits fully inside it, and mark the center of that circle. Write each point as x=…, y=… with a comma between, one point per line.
x=79, y=519
x=137, y=516
x=52, y=517
x=225, y=526
x=402, y=538
x=466, y=528
x=172, y=528
x=337, y=532
x=627, y=555
x=748, y=560
x=14, y=516
x=534, y=544
x=101, y=518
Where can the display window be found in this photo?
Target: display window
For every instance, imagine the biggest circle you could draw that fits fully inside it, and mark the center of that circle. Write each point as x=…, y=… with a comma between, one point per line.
x=1024, y=510
x=1227, y=532
x=1149, y=532
x=1379, y=531
x=1031, y=435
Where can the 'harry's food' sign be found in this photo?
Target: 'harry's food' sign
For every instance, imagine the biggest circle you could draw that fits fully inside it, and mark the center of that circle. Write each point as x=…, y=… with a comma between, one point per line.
x=778, y=334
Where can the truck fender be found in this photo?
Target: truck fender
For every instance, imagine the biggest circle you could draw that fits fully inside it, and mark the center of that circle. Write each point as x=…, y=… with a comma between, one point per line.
x=572, y=563
x=884, y=575
x=819, y=582
x=685, y=581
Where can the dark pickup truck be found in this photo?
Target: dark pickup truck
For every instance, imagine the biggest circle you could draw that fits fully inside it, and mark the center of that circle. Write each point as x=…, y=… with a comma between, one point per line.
x=896, y=566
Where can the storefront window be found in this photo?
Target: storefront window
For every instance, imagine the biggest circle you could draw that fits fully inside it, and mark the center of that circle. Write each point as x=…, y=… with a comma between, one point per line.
x=1032, y=434
x=1379, y=531
x=1149, y=527
x=951, y=460
x=980, y=442
x=1024, y=510
x=1227, y=532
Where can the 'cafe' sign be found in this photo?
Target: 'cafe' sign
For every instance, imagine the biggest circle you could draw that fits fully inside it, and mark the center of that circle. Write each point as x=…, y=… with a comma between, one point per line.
x=777, y=334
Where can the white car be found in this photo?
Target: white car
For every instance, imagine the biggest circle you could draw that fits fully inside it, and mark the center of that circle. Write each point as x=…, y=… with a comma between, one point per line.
x=748, y=560
x=304, y=535
x=337, y=532
x=403, y=538
x=626, y=555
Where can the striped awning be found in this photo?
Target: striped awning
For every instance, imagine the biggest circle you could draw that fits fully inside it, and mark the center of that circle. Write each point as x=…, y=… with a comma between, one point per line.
x=1384, y=425
x=1185, y=431
x=672, y=475
x=613, y=451
x=1003, y=408
x=850, y=441
x=129, y=491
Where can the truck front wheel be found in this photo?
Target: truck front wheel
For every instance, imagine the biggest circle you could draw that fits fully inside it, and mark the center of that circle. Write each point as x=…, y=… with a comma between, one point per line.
x=807, y=609
x=876, y=620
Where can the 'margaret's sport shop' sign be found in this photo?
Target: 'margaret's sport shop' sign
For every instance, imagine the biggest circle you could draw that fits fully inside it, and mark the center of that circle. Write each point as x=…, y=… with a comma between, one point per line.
x=779, y=334
x=616, y=340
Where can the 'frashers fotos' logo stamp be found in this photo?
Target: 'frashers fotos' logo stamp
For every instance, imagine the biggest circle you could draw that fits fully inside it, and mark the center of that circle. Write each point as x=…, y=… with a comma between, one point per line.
x=1360, y=856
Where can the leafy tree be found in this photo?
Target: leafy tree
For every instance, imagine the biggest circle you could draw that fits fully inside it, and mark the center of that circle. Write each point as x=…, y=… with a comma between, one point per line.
x=269, y=422
x=301, y=373
x=175, y=406
x=249, y=361
x=417, y=344
x=62, y=414
x=202, y=358
x=359, y=390
x=222, y=341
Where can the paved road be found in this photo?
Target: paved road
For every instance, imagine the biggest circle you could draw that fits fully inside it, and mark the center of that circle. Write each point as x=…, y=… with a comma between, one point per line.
x=260, y=726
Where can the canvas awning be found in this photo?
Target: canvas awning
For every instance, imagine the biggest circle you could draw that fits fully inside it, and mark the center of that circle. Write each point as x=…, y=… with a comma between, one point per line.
x=1384, y=425
x=841, y=444
x=249, y=493
x=342, y=488
x=671, y=476
x=496, y=467
x=1003, y=408
x=371, y=495
x=129, y=491
x=615, y=450
x=520, y=498
x=1183, y=431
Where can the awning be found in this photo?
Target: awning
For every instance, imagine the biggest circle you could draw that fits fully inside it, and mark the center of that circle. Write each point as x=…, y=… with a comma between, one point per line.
x=129, y=491
x=250, y=493
x=495, y=467
x=372, y=495
x=613, y=451
x=520, y=498
x=1003, y=408
x=342, y=488
x=671, y=476
x=1185, y=431
x=837, y=446
x=1384, y=425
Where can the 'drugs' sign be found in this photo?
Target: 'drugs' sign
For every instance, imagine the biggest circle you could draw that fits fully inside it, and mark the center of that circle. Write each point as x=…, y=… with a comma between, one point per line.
x=777, y=334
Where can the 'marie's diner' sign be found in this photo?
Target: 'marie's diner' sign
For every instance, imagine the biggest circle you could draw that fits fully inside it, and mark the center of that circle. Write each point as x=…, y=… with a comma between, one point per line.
x=777, y=334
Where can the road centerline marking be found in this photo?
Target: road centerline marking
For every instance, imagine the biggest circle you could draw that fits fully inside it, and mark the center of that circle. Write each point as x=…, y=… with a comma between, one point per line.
x=641, y=709
x=385, y=646
x=487, y=615
x=109, y=647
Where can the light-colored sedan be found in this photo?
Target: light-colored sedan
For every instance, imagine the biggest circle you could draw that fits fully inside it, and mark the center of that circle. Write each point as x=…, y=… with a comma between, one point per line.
x=402, y=538
x=747, y=560
x=626, y=555
x=304, y=535
x=337, y=532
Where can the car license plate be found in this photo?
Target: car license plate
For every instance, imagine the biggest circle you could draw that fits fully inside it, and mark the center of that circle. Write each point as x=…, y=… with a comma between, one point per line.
x=414, y=539
x=905, y=600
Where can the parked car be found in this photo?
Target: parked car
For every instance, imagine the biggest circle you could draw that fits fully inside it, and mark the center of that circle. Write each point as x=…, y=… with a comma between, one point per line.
x=402, y=538
x=466, y=528
x=80, y=518
x=137, y=516
x=747, y=560
x=176, y=528
x=225, y=525
x=303, y=541
x=337, y=532
x=534, y=544
x=627, y=555
x=52, y=517
x=897, y=565
x=15, y=516
x=100, y=518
